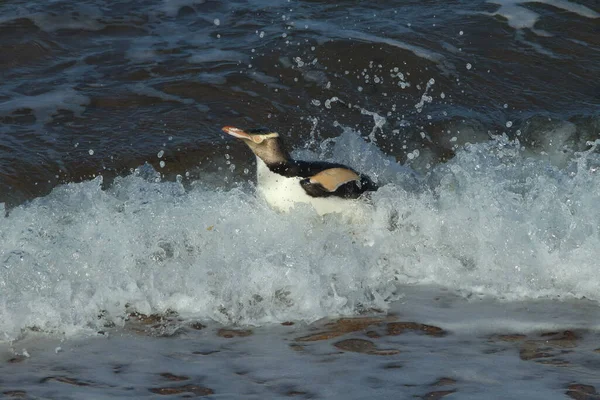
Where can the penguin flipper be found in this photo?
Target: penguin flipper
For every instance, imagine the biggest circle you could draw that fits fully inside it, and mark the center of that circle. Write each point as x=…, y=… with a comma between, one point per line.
x=314, y=189
x=340, y=182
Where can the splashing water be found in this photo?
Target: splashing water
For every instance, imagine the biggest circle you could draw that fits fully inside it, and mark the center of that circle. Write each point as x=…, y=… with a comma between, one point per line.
x=490, y=222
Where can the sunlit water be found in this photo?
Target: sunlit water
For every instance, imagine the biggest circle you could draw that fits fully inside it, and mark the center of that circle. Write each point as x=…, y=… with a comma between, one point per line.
x=119, y=196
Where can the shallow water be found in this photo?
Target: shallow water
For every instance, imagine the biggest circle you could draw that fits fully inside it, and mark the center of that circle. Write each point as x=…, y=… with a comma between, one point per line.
x=479, y=120
x=522, y=351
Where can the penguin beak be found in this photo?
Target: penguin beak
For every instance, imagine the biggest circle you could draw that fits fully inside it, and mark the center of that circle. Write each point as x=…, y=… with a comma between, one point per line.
x=236, y=132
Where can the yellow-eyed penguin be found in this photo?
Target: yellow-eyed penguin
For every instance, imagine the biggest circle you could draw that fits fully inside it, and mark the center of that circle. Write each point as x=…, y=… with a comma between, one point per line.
x=283, y=181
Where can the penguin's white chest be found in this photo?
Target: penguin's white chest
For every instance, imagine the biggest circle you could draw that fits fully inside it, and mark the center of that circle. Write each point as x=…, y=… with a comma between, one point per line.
x=282, y=193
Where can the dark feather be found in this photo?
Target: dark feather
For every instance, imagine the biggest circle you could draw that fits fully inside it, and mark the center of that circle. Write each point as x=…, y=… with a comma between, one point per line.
x=303, y=169
x=348, y=190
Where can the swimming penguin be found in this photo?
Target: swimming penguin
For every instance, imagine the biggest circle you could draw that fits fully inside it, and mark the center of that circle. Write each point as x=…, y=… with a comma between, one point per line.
x=283, y=181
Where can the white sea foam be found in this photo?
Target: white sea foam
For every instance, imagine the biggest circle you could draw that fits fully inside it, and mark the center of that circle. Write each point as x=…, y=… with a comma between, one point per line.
x=570, y=6
x=490, y=222
x=519, y=17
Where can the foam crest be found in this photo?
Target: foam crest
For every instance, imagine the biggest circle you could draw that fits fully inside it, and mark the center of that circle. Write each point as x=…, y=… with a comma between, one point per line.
x=499, y=224
x=490, y=222
x=519, y=17
x=81, y=253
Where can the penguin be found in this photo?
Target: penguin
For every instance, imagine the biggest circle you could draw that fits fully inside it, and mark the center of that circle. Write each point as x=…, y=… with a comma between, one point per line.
x=283, y=182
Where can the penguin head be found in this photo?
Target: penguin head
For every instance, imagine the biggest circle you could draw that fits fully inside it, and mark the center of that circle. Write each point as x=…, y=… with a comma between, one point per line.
x=263, y=142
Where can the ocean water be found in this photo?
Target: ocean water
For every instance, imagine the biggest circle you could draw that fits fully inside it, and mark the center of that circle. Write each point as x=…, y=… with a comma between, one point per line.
x=137, y=261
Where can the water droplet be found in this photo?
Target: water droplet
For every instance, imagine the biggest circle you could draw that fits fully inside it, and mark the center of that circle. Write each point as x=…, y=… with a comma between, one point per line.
x=91, y=152
x=509, y=124
x=217, y=21
x=469, y=66
x=162, y=164
x=160, y=154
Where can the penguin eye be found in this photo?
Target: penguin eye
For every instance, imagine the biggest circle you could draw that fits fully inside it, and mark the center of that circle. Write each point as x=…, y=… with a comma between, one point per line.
x=257, y=139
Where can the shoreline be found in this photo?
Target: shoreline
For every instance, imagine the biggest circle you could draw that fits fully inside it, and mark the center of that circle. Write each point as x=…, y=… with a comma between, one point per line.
x=348, y=357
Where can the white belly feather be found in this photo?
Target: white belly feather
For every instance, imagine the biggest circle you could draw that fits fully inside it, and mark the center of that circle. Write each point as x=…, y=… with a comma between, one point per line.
x=282, y=193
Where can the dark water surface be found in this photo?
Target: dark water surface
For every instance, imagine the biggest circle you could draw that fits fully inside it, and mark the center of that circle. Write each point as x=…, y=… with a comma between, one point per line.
x=480, y=120
x=100, y=87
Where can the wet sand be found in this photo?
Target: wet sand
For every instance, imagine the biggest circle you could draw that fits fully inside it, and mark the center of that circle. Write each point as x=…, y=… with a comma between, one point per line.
x=373, y=356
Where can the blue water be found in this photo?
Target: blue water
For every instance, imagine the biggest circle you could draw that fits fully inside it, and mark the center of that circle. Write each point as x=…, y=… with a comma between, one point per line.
x=120, y=194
